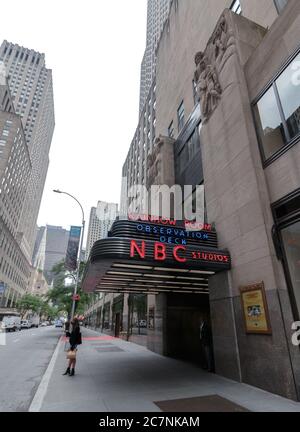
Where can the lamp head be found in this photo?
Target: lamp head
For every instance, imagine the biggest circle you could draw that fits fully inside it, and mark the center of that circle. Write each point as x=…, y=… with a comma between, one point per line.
x=57, y=191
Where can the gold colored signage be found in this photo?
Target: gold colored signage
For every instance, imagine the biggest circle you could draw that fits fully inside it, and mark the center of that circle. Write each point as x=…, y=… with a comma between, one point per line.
x=255, y=309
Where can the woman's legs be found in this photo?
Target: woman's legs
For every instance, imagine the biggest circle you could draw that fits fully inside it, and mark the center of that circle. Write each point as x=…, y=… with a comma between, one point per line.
x=68, y=371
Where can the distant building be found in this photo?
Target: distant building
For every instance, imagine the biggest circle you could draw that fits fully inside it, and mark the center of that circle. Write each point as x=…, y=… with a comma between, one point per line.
x=101, y=220
x=38, y=284
x=26, y=128
x=30, y=84
x=50, y=249
x=157, y=14
x=15, y=169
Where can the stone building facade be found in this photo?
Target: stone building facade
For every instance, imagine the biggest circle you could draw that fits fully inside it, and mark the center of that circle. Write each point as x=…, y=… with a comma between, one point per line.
x=238, y=59
x=227, y=94
x=15, y=169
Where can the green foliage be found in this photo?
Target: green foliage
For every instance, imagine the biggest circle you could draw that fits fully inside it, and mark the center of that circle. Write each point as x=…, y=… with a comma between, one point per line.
x=37, y=305
x=30, y=302
x=61, y=293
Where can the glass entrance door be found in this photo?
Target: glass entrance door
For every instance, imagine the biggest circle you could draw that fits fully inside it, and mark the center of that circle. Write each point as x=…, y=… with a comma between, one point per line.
x=291, y=242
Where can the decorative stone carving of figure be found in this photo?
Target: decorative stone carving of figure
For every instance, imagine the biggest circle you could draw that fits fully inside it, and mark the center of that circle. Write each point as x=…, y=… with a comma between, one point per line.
x=208, y=87
x=220, y=38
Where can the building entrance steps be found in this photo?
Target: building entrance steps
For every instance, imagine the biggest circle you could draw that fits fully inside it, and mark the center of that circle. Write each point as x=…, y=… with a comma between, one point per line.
x=113, y=375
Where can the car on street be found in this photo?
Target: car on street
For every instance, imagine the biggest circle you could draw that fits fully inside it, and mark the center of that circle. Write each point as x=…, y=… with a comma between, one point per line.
x=25, y=324
x=35, y=321
x=58, y=324
x=44, y=324
x=10, y=322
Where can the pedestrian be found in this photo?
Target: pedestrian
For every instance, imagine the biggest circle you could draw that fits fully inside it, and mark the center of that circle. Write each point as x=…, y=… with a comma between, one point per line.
x=207, y=344
x=75, y=340
x=67, y=328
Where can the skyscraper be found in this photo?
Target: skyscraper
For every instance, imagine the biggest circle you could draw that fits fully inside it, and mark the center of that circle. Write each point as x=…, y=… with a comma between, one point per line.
x=30, y=84
x=157, y=13
x=15, y=169
x=50, y=249
x=101, y=220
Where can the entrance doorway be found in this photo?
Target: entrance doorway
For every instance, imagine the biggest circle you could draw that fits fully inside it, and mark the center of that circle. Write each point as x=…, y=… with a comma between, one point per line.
x=185, y=314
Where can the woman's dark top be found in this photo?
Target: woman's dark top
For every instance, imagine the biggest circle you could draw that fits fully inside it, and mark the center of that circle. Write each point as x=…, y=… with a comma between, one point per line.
x=75, y=337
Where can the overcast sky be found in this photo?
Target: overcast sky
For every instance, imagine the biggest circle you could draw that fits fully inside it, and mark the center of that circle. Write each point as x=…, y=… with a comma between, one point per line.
x=94, y=48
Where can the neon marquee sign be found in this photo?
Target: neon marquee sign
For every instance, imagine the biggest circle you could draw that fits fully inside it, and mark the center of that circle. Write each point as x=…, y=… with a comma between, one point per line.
x=189, y=225
x=172, y=235
x=180, y=254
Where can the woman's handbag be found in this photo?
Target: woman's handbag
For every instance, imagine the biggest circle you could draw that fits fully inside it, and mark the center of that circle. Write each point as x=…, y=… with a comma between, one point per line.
x=71, y=355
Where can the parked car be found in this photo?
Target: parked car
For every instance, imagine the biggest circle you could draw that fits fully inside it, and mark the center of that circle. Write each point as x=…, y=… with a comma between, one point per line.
x=58, y=324
x=44, y=324
x=35, y=321
x=143, y=323
x=10, y=322
x=25, y=324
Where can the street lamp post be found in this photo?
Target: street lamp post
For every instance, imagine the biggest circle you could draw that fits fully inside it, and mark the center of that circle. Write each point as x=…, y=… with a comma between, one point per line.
x=80, y=250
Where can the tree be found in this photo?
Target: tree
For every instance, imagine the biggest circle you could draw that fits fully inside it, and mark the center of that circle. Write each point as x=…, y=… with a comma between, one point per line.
x=61, y=295
x=29, y=302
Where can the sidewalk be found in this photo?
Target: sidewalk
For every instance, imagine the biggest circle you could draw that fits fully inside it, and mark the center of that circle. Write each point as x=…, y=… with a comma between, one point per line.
x=114, y=375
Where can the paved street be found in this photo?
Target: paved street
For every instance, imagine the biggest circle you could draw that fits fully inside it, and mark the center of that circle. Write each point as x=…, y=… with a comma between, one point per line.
x=114, y=375
x=23, y=361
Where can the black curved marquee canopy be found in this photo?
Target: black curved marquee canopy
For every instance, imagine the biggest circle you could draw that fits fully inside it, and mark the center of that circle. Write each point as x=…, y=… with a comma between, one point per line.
x=152, y=258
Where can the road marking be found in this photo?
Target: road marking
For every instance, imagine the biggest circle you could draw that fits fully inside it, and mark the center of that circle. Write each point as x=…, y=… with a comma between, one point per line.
x=16, y=340
x=38, y=399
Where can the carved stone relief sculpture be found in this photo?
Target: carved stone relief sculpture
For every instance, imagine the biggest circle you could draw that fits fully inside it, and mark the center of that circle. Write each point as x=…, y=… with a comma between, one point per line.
x=208, y=86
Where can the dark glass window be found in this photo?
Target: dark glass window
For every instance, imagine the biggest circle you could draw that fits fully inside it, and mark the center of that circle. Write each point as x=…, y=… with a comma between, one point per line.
x=280, y=5
x=291, y=242
x=171, y=132
x=189, y=151
x=288, y=208
x=270, y=127
x=288, y=85
x=183, y=159
x=193, y=145
x=180, y=115
x=236, y=7
x=277, y=112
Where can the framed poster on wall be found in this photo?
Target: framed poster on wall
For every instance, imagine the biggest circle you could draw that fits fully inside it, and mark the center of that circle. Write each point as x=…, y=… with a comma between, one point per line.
x=255, y=309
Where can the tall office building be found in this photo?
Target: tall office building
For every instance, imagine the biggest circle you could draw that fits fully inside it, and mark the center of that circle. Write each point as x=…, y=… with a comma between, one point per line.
x=50, y=249
x=15, y=169
x=101, y=220
x=157, y=13
x=30, y=84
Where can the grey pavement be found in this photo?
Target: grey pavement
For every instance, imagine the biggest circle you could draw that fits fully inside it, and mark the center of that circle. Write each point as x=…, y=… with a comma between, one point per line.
x=23, y=361
x=115, y=375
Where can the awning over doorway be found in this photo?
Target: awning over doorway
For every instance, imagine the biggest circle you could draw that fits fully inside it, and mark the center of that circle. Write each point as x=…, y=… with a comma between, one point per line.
x=142, y=257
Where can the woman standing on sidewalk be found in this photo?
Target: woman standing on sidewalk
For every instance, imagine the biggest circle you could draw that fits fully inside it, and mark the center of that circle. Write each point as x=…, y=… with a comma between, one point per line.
x=75, y=340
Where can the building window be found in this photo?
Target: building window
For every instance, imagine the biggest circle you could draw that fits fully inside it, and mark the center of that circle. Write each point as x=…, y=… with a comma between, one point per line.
x=277, y=112
x=280, y=5
x=286, y=234
x=180, y=116
x=236, y=7
x=188, y=152
x=171, y=131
